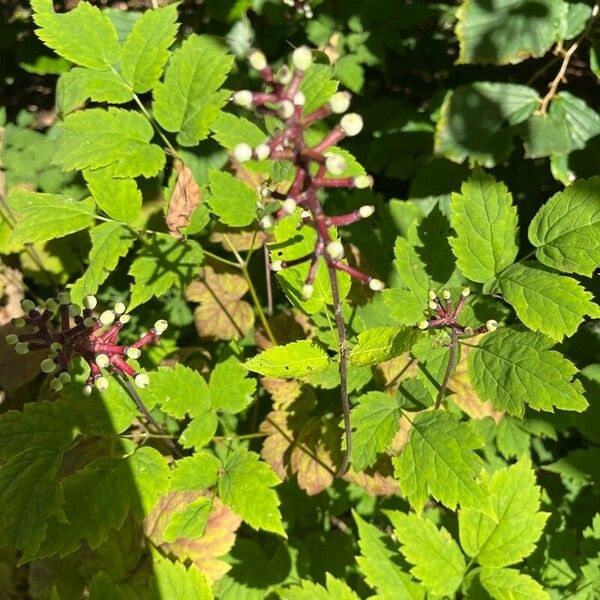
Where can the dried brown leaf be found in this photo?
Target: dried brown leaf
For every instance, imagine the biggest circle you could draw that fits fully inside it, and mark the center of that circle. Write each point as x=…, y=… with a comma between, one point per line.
x=230, y=320
x=241, y=239
x=11, y=282
x=185, y=198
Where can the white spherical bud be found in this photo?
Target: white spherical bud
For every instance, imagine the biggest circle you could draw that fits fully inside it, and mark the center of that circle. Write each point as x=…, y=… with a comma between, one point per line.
x=307, y=291
x=64, y=377
x=468, y=331
x=27, y=305
x=432, y=305
x=284, y=75
x=302, y=58
x=51, y=304
x=56, y=385
x=56, y=347
x=299, y=99
x=432, y=295
x=242, y=98
x=134, y=353
x=74, y=310
x=366, y=211
x=21, y=347
x=64, y=298
x=466, y=292
x=87, y=390
x=266, y=222
x=90, y=302
x=142, y=380
x=305, y=214
x=11, y=339
x=120, y=308
x=276, y=265
x=101, y=383
x=446, y=294
x=89, y=321
x=160, y=326
x=423, y=325
x=289, y=205
x=48, y=365
x=285, y=109
x=363, y=181
x=242, y=152
x=376, y=285
x=107, y=317
x=335, y=163
x=335, y=250
x=340, y=102
x=262, y=151
x=19, y=323
x=491, y=325
x=102, y=360
x=125, y=318
x=257, y=60
x=352, y=124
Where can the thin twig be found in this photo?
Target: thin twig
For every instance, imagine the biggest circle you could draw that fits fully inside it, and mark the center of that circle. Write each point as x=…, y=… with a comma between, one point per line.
x=269, y=283
x=452, y=359
x=343, y=352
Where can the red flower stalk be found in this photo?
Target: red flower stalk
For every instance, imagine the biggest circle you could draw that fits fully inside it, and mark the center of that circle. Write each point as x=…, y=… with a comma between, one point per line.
x=447, y=316
x=80, y=333
x=314, y=165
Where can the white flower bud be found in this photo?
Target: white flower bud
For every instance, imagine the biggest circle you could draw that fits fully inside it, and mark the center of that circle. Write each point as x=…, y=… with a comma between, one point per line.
x=51, y=304
x=366, y=211
x=133, y=353
x=89, y=321
x=432, y=305
x=56, y=347
x=335, y=250
x=284, y=74
x=74, y=310
x=242, y=152
x=21, y=347
x=262, y=151
x=257, y=60
x=11, y=339
x=125, y=318
x=120, y=308
x=266, y=222
x=27, y=305
x=466, y=292
x=101, y=383
x=56, y=385
x=423, y=325
x=142, y=380
x=48, y=365
x=468, y=331
x=107, y=317
x=242, y=98
x=376, y=285
x=432, y=295
x=305, y=214
x=87, y=390
x=64, y=377
x=90, y=302
x=340, y=102
x=64, y=298
x=160, y=326
x=299, y=99
x=276, y=265
x=352, y=124
x=18, y=323
x=363, y=181
x=302, y=58
x=285, y=109
x=446, y=294
x=289, y=205
x=335, y=163
x=307, y=291
x=102, y=360
x=491, y=325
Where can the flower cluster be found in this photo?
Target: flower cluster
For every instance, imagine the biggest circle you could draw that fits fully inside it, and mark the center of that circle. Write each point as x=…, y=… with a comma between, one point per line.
x=316, y=167
x=447, y=316
x=80, y=332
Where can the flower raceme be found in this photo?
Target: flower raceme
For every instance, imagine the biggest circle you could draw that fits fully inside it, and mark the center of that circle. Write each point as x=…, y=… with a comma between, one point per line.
x=80, y=332
x=316, y=167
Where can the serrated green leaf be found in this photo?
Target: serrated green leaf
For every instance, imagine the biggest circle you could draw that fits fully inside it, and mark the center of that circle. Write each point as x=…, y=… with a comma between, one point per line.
x=165, y=262
x=48, y=216
x=297, y=359
x=485, y=222
x=437, y=559
x=378, y=563
x=245, y=486
x=516, y=523
x=506, y=31
x=197, y=472
x=583, y=122
x=439, y=459
x=512, y=367
x=379, y=344
x=509, y=584
x=233, y=201
x=511, y=438
x=375, y=421
x=83, y=35
x=188, y=523
x=119, y=198
x=146, y=49
x=546, y=134
x=230, y=129
x=545, y=301
x=189, y=99
x=317, y=87
x=581, y=466
x=566, y=230
x=102, y=587
x=174, y=580
x=201, y=430
x=230, y=387
x=307, y=590
x=118, y=138
x=110, y=242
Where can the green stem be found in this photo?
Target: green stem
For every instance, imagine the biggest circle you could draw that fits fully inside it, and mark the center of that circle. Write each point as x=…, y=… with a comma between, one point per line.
x=258, y=306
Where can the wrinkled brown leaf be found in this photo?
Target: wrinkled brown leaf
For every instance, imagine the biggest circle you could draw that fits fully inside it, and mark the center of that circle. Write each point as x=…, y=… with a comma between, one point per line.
x=378, y=480
x=287, y=326
x=11, y=282
x=184, y=199
x=283, y=391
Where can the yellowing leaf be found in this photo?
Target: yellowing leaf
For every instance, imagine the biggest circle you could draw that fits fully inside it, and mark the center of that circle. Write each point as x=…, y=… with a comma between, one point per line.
x=297, y=359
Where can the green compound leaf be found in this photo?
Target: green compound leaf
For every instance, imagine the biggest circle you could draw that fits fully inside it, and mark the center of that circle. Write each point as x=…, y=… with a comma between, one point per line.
x=334, y=589
x=146, y=49
x=409, y=301
x=110, y=242
x=511, y=367
x=83, y=35
x=297, y=359
x=583, y=122
x=509, y=584
x=102, y=587
x=48, y=216
x=188, y=523
x=189, y=99
x=485, y=222
x=439, y=459
x=506, y=31
x=245, y=486
x=437, y=559
x=232, y=200
x=317, y=87
x=378, y=563
x=197, y=472
x=174, y=580
x=545, y=301
x=379, y=344
x=230, y=387
x=163, y=263
x=566, y=230
x=118, y=138
x=120, y=199
x=375, y=421
x=229, y=129
x=510, y=534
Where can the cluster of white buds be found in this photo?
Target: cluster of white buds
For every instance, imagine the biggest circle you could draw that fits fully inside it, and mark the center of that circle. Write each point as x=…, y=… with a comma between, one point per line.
x=80, y=332
x=301, y=7
x=317, y=167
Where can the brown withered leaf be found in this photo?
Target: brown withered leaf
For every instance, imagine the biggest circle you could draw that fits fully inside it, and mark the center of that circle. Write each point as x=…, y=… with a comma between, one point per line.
x=287, y=326
x=283, y=391
x=377, y=480
x=389, y=374
x=185, y=198
x=241, y=239
x=11, y=284
x=204, y=552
